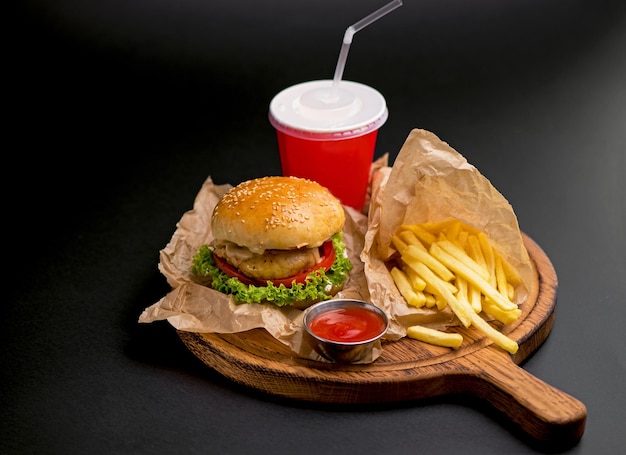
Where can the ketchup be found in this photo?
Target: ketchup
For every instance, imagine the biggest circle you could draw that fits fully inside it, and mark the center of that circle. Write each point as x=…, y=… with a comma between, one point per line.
x=347, y=325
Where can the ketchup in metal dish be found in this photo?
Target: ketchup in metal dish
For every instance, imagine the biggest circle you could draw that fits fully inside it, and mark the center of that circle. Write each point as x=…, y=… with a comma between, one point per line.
x=347, y=325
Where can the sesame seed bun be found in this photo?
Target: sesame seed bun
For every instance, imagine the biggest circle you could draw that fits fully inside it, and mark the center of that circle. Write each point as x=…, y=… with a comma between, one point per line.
x=279, y=213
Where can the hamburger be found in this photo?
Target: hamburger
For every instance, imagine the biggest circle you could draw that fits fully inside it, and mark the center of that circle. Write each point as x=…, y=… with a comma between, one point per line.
x=277, y=240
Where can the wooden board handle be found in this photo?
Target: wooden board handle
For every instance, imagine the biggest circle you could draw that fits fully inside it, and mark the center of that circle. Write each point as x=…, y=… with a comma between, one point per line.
x=542, y=411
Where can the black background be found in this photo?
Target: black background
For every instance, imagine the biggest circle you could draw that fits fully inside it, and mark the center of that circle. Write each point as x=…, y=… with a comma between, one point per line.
x=115, y=114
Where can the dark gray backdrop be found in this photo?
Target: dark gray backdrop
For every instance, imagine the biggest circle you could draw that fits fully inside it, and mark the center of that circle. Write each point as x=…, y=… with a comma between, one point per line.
x=118, y=111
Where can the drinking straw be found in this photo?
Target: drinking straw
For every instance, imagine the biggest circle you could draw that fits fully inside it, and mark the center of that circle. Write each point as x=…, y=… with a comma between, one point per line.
x=350, y=31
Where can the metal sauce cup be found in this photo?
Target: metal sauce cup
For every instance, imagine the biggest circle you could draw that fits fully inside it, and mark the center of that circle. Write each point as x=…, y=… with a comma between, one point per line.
x=344, y=330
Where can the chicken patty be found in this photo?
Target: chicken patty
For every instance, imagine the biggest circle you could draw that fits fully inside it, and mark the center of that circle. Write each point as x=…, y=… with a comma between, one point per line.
x=272, y=264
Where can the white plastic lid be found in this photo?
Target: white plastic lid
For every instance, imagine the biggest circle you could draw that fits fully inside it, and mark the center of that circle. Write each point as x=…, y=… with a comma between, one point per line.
x=317, y=110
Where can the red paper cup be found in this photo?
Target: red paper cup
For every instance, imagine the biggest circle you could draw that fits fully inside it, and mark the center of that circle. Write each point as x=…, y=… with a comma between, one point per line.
x=328, y=134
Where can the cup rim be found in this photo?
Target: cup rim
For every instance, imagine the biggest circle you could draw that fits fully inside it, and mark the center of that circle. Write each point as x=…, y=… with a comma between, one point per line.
x=286, y=116
x=328, y=135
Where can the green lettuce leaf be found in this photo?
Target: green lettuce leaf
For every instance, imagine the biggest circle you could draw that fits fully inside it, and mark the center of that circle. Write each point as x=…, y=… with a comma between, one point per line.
x=316, y=286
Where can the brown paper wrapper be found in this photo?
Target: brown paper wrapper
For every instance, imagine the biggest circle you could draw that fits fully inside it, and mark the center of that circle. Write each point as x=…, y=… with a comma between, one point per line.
x=429, y=181
x=193, y=307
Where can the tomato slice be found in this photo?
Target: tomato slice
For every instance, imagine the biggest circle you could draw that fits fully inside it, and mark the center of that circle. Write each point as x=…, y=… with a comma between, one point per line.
x=327, y=260
x=231, y=271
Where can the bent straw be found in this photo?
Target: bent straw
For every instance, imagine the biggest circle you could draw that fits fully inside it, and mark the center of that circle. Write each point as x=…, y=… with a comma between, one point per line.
x=350, y=31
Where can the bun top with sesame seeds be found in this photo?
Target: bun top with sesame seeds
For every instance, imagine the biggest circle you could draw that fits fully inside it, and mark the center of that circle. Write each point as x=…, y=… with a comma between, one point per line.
x=279, y=213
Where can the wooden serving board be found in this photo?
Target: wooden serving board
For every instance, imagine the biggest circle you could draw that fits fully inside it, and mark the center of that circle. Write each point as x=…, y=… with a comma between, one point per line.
x=410, y=370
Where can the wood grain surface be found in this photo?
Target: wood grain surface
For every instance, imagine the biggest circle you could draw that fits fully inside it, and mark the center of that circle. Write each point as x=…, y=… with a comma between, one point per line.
x=412, y=370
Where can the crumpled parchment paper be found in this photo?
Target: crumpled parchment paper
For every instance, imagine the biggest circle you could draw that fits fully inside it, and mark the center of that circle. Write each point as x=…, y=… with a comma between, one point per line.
x=193, y=307
x=429, y=181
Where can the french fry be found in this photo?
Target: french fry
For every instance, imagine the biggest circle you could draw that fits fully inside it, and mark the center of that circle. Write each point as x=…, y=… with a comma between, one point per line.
x=398, y=243
x=438, y=226
x=462, y=294
x=510, y=291
x=428, y=289
x=410, y=269
x=506, y=317
x=461, y=311
x=494, y=335
x=413, y=298
x=416, y=281
x=420, y=232
x=450, y=263
x=462, y=256
x=453, y=230
x=440, y=302
x=475, y=298
x=411, y=239
x=501, y=282
x=472, y=276
x=512, y=275
x=490, y=260
x=431, y=300
x=461, y=239
x=436, y=337
x=475, y=251
x=424, y=257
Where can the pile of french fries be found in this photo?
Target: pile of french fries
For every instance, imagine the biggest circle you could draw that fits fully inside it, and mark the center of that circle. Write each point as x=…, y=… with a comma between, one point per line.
x=452, y=264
